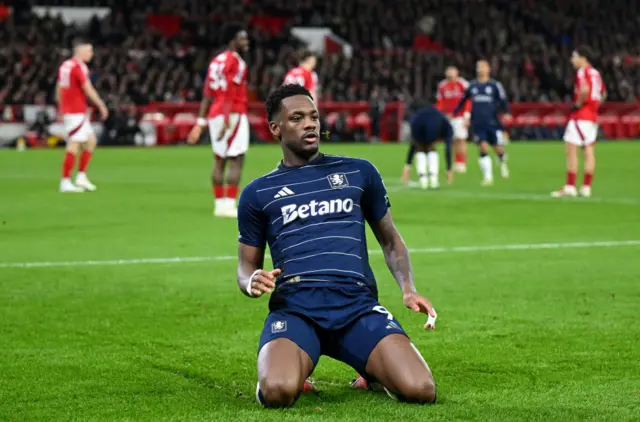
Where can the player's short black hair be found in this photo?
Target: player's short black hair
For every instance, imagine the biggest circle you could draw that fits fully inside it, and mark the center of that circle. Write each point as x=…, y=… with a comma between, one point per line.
x=584, y=51
x=304, y=55
x=274, y=101
x=79, y=40
x=230, y=31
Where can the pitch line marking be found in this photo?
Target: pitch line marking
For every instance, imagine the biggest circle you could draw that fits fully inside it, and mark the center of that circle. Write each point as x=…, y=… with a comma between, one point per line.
x=444, y=249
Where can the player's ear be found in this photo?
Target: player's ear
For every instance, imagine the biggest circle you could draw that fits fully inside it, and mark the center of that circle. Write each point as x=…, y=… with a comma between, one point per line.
x=274, y=128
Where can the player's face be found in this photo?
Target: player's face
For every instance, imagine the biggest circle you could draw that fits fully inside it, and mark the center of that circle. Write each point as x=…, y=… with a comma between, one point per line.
x=85, y=52
x=313, y=61
x=483, y=69
x=297, y=126
x=576, y=60
x=243, y=42
x=451, y=73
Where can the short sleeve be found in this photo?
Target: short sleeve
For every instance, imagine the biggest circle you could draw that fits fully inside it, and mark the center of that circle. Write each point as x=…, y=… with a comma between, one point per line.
x=375, y=201
x=252, y=222
x=79, y=75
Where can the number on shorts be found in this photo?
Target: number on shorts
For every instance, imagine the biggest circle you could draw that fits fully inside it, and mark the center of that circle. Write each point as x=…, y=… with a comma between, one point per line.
x=383, y=310
x=216, y=75
x=294, y=80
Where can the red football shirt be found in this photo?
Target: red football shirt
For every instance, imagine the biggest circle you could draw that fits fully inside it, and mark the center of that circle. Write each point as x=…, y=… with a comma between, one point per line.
x=589, y=77
x=226, y=82
x=72, y=75
x=449, y=95
x=301, y=76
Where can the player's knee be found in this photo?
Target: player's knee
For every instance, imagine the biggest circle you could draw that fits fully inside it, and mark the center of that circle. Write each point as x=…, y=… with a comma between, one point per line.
x=418, y=391
x=279, y=392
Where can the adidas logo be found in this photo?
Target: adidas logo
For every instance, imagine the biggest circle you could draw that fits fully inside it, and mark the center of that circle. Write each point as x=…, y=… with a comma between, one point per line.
x=285, y=191
x=392, y=325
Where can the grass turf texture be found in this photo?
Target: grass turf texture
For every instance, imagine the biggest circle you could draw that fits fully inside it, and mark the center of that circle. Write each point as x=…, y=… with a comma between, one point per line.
x=540, y=334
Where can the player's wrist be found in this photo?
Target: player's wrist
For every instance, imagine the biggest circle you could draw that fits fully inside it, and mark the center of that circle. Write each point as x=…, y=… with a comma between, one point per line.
x=248, y=288
x=201, y=121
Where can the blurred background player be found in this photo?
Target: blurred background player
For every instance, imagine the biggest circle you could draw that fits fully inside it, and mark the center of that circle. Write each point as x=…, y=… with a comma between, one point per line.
x=450, y=91
x=582, y=128
x=428, y=125
x=226, y=86
x=73, y=87
x=488, y=100
x=304, y=73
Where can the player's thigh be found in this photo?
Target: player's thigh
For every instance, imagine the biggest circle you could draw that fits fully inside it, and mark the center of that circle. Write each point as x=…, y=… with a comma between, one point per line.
x=398, y=365
x=239, y=137
x=289, y=350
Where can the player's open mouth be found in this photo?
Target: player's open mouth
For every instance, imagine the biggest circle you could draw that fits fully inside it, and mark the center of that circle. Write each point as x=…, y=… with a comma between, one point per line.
x=311, y=137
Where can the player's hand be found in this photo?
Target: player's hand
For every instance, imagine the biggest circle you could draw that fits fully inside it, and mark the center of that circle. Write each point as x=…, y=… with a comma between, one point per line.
x=223, y=130
x=507, y=117
x=467, y=123
x=194, y=134
x=263, y=282
x=421, y=304
x=406, y=175
x=449, y=177
x=449, y=116
x=104, y=112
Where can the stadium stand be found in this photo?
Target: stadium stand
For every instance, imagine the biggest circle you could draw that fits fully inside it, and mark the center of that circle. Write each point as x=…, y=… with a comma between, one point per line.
x=158, y=52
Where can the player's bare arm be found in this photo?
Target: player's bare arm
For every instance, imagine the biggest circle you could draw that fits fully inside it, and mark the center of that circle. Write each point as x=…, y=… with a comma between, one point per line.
x=253, y=281
x=93, y=95
x=57, y=94
x=396, y=255
x=196, y=131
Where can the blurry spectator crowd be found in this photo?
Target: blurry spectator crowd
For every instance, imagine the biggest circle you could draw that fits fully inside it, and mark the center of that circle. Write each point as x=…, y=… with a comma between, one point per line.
x=528, y=43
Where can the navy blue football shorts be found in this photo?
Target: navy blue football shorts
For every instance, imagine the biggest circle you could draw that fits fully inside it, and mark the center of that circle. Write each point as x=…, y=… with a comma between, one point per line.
x=492, y=135
x=356, y=332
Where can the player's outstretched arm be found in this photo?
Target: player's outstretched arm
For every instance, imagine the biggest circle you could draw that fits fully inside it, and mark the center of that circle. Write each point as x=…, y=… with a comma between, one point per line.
x=396, y=255
x=196, y=131
x=253, y=281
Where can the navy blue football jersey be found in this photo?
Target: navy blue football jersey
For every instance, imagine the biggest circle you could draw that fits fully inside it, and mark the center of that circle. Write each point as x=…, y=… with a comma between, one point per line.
x=313, y=217
x=487, y=100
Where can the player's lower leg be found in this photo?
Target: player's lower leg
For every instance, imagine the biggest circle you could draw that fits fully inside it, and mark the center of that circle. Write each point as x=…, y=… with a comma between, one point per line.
x=569, y=188
x=502, y=159
x=217, y=181
x=485, y=165
x=67, y=168
x=399, y=367
x=460, y=161
x=589, y=168
x=234, y=174
x=433, y=162
x=85, y=157
x=421, y=169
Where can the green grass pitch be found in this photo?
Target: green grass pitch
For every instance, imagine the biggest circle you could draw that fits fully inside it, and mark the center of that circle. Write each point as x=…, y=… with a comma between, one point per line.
x=538, y=299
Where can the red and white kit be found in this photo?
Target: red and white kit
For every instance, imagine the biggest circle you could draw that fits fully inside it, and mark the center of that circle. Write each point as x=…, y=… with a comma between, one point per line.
x=582, y=128
x=226, y=82
x=301, y=76
x=447, y=98
x=72, y=75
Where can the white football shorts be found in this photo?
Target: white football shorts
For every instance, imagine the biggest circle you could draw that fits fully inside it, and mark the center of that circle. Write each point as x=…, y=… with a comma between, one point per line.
x=460, y=131
x=581, y=132
x=77, y=126
x=235, y=141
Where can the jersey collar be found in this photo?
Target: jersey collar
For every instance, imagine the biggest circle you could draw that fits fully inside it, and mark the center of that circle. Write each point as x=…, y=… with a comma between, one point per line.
x=316, y=160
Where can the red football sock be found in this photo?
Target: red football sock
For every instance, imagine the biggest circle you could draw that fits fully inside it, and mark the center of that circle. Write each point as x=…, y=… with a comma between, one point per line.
x=232, y=191
x=85, y=157
x=588, y=177
x=460, y=158
x=571, y=178
x=67, y=165
x=218, y=191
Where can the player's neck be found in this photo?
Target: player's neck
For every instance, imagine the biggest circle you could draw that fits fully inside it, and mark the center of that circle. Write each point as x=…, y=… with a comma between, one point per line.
x=78, y=59
x=485, y=79
x=290, y=159
x=306, y=67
